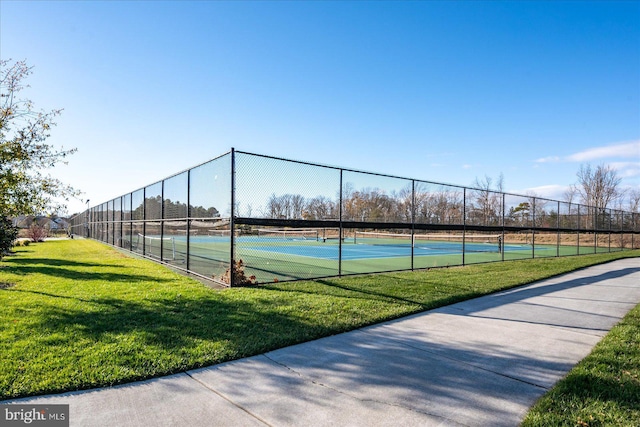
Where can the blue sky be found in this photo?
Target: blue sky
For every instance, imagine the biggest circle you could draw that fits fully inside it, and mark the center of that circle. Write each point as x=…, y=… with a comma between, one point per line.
x=444, y=91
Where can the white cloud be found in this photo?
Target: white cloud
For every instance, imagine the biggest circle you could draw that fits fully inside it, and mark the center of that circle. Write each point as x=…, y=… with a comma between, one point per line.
x=626, y=169
x=466, y=166
x=622, y=150
x=553, y=192
x=549, y=159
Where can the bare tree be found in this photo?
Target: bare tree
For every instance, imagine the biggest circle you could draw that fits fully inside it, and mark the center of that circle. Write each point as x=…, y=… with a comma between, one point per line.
x=571, y=194
x=598, y=187
x=405, y=202
x=321, y=207
x=487, y=205
x=298, y=204
x=634, y=200
x=275, y=208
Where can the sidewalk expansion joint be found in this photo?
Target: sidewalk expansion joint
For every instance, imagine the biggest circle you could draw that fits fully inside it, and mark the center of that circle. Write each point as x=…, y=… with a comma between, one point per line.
x=243, y=409
x=319, y=384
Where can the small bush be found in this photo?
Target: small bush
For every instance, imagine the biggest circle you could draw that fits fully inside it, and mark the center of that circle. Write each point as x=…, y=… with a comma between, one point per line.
x=37, y=233
x=240, y=279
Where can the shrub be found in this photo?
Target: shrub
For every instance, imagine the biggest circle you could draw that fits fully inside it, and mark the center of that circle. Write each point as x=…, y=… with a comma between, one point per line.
x=36, y=233
x=8, y=234
x=240, y=279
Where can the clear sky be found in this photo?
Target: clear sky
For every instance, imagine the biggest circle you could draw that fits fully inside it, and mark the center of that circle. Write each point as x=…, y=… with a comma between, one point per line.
x=443, y=91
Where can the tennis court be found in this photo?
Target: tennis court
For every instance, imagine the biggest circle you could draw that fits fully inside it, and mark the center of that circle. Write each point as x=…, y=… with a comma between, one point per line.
x=363, y=245
x=266, y=219
x=297, y=254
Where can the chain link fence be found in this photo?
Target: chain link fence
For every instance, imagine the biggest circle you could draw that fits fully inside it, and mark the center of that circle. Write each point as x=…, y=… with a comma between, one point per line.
x=244, y=218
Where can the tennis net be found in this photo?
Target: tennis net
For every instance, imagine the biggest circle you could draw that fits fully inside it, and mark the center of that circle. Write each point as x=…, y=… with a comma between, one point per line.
x=219, y=233
x=290, y=233
x=152, y=244
x=435, y=241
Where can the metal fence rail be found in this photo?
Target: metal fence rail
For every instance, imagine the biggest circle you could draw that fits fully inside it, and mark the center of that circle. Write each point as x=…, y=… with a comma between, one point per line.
x=244, y=218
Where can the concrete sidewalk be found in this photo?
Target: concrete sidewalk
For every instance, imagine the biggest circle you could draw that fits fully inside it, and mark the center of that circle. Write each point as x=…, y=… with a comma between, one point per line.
x=482, y=362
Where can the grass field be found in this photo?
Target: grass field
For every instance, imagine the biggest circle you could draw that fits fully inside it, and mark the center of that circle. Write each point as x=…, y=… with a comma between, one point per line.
x=603, y=389
x=77, y=314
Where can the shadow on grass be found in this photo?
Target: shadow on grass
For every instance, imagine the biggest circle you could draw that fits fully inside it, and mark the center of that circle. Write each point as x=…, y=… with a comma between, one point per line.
x=148, y=338
x=335, y=289
x=376, y=294
x=48, y=294
x=176, y=329
x=56, y=262
x=69, y=269
x=163, y=334
x=427, y=301
x=88, y=276
x=452, y=294
x=583, y=387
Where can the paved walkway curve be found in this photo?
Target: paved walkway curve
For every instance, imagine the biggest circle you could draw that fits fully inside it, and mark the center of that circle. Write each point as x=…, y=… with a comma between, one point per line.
x=481, y=362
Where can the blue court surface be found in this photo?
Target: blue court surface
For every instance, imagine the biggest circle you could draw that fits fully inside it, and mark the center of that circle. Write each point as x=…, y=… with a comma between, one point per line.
x=367, y=251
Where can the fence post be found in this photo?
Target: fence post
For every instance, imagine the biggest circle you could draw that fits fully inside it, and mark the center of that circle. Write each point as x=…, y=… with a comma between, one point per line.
x=558, y=228
x=464, y=222
x=501, y=243
x=88, y=230
x=533, y=229
x=144, y=221
x=634, y=229
x=595, y=229
x=413, y=220
x=579, y=225
x=162, y=221
x=340, y=227
x=232, y=263
x=188, y=216
x=610, y=227
x=130, y=222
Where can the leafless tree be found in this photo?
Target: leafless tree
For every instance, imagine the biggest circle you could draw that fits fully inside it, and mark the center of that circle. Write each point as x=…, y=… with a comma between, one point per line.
x=487, y=200
x=634, y=200
x=571, y=194
x=598, y=187
x=321, y=207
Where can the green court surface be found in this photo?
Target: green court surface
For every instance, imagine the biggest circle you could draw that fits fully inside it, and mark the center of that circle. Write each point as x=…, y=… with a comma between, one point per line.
x=277, y=258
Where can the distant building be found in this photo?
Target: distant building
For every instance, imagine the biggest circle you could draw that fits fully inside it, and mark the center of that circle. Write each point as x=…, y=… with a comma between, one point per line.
x=48, y=223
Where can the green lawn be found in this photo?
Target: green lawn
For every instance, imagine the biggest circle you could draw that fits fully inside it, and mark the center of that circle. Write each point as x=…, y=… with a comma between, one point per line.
x=77, y=314
x=603, y=389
